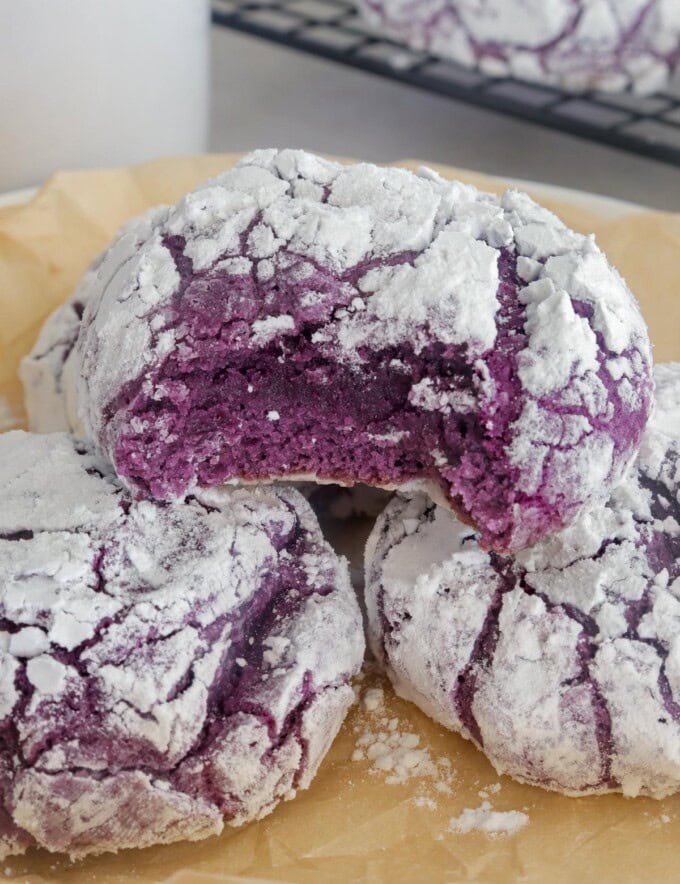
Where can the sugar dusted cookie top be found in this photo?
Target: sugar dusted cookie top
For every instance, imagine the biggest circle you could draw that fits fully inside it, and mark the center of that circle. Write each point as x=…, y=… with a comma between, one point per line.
x=164, y=667
x=49, y=371
x=575, y=44
x=297, y=318
x=562, y=664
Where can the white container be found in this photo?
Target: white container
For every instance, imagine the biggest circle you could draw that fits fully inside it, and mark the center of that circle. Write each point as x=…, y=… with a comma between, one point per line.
x=87, y=83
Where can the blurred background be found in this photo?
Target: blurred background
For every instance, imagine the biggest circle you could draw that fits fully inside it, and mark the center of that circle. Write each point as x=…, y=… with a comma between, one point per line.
x=267, y=95
x=103, y=83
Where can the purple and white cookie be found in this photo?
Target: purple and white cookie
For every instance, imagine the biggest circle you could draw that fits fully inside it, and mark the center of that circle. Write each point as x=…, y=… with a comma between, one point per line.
x=163, y=667
x=610, y=45
x=48, y=372
x=562, y=664
x=295, y=318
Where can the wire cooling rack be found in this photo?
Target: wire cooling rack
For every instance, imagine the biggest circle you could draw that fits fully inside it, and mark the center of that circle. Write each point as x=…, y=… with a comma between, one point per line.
x=331, y=29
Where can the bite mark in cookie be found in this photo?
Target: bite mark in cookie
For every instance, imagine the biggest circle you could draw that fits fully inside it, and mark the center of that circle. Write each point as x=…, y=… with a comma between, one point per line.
x=299, y=319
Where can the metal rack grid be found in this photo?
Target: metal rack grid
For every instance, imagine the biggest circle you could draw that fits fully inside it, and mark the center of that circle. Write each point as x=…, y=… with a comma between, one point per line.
x=648, y=126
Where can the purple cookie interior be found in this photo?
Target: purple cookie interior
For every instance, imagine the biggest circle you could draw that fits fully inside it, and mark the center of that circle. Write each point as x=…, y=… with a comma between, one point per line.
x=217, y=408
x=297, y=319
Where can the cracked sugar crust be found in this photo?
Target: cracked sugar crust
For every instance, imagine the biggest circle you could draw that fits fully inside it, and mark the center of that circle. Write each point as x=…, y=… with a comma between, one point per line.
x=295, y=318
x=574, y=44
x=562, y=664
x=49, y=371
x=163, y=668
x=666, y=414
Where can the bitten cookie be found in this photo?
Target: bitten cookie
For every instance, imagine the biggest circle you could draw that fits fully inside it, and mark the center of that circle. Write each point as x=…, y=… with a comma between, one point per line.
x=611, y=45
x=48, y=372
x=163, y=668
x=295, y=318
x=562, y=664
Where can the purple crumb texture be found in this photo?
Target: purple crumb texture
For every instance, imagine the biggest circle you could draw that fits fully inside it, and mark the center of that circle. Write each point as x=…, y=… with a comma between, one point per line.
x=218, y=638
x=222, y=404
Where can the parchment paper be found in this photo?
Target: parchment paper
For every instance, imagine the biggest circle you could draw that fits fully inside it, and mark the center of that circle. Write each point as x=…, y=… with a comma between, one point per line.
x=352, y=825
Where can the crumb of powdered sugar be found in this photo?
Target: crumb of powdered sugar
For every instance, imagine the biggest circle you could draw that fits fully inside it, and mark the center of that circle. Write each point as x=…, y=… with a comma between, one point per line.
x=373, y=699
x=424, y=801
x=493, y=789
x=394, y=752
x=485, y=819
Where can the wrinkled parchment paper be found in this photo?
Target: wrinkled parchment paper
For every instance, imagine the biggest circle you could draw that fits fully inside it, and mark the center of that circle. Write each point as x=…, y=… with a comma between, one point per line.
x=352, y=825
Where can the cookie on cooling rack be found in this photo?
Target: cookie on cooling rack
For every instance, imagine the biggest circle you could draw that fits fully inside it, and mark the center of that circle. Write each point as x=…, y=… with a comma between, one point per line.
x=572, y=44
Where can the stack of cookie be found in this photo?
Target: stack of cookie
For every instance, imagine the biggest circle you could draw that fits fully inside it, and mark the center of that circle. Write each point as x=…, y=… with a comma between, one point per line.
x=178, y=646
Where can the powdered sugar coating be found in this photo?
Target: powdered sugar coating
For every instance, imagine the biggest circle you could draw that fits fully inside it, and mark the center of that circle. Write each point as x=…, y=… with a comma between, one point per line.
x=562, y=664
x=49, y=371
x=164, y=668
x=611, y=45
x=485, y=819
x=666, y=415
x=295, y=317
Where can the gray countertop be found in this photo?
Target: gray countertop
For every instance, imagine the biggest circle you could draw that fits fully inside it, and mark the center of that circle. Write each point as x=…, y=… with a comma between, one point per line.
x=264, y=95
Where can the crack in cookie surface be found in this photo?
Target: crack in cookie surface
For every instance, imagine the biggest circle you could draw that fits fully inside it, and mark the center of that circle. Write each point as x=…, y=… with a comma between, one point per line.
x=575, y=44
x=165, y=667
x=562, y=662
x=296, y=318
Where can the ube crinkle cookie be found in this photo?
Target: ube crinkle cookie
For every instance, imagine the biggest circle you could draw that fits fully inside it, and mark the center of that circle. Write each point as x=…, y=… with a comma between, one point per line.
x=48, y=372
x=299, y=319
x=562, y=664
x=611, y=45
x=163, y=667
